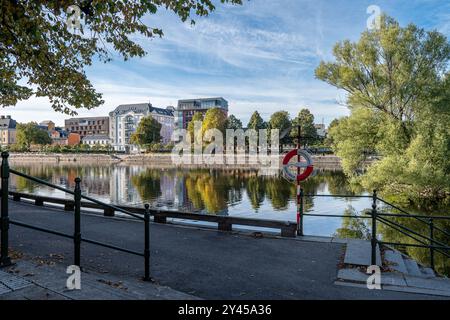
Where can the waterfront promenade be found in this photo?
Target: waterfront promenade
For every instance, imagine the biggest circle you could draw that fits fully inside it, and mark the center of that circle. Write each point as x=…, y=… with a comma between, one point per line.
x=198, y=263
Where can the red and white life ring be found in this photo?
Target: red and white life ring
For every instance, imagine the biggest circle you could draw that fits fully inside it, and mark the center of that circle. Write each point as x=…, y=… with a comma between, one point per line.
x=309, y=165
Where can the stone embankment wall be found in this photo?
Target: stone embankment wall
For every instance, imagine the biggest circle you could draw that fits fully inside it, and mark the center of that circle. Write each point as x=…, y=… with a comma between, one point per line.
x=328, y=162
x=164, y=161
x=63, y=157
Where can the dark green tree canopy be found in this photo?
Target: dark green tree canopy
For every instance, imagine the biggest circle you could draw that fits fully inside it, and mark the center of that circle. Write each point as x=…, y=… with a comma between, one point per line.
x=40, y=56
x=256, y=122
x=28, y=134
x=304, y=119
x=280, y=120
x=147, y=132
x=234, y=123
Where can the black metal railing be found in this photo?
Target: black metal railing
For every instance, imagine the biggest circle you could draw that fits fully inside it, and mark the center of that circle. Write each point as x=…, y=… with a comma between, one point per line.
x=77, y=237
x=376, y=216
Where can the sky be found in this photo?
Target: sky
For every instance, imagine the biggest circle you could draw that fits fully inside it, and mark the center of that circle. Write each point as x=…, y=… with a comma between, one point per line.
x=258, y=56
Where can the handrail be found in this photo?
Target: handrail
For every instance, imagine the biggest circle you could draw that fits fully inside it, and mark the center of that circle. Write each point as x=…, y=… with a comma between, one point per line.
x=5, y=221
x=423, y=244
x=112, y=207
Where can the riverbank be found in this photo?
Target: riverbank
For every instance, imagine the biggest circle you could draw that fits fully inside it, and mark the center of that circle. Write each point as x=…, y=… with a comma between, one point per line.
x=154, y=160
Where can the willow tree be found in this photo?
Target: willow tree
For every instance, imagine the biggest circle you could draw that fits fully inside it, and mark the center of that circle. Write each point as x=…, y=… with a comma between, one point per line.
x=397, y=83
x=40, y=56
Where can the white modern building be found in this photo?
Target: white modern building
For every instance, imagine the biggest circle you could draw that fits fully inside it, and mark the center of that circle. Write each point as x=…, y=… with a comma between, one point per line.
x=321, y=130
x=124, y=120
x=92, y=140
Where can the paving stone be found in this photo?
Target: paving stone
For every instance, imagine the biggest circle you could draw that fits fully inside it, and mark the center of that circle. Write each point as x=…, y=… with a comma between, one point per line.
x=4, y=289
x=355, y=275
x=13, y=282
x=359, y=253
x=417, y=290
x=433, y=284
x=315, y=239
x=395, y=261
x=428, y=272
x=412, y=267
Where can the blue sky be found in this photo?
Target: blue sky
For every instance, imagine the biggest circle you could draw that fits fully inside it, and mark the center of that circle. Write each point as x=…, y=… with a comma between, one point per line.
x=259, y=56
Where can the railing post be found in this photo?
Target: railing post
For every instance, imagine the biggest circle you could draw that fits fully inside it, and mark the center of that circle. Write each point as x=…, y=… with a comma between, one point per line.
x=147, y=243
x=374, y=229
x=77, y=223
x=431, y=223
x=4, y=219
x=300, y=210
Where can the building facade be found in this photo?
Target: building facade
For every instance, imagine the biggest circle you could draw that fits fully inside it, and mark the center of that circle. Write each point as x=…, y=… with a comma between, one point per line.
x=187, y=108
x=321, y=130
x=88, y=126
x=7, y=130
x=93, y=140
x=125, y=119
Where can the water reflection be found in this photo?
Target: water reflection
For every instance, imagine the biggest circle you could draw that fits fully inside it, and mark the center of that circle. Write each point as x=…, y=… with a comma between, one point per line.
x=228, y=192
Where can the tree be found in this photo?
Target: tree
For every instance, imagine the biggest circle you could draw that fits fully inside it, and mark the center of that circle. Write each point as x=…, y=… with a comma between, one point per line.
x=29, y=133
x=256, y=122
x=234, y=123
x=36, y=45
x=280, y=120
x=198, y=117
x=329, y=140
x=397, y=82
x=389, y=70
x=304, y=119
x=147, y=132
x=215, y=118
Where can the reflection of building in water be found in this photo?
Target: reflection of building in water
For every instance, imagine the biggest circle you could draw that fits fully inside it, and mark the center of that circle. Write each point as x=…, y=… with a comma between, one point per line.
x=121, y=186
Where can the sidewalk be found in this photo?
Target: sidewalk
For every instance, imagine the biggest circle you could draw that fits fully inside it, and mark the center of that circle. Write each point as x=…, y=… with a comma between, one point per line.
x=37, y=279
x=200, y=263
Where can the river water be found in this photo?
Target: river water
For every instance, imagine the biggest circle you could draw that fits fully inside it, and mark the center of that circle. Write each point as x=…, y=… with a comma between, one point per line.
x=242, y=193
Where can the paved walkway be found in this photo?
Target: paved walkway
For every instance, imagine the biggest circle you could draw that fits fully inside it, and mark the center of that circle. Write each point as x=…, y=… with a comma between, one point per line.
x=203, y=263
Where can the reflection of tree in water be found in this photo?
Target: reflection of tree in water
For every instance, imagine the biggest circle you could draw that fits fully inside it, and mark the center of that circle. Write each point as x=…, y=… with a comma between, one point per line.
x=207, y=189
x=353, y=228
x=148, y=184
x=422, y=255
x=95, y=178
x=255, y=187
x=279, y=192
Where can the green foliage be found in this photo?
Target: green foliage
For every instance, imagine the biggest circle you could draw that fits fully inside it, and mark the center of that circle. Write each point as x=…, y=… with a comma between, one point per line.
x=147, y=132
x=304, y=119
x=28, y=134
x=36, y=45
x=256, y=122
x=215, y=118
x=280, y=120
x=398, y=94
x=198, y=117
x=234, y=123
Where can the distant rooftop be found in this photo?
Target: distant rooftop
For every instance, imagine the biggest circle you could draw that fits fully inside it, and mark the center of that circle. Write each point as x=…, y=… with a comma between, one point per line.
x=7, y=122
x=141, y=108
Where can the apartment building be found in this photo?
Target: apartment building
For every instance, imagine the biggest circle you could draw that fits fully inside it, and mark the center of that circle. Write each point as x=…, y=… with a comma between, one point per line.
x=187, y=108
x=125, y=119
x=7, y=130
x=88, y=126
